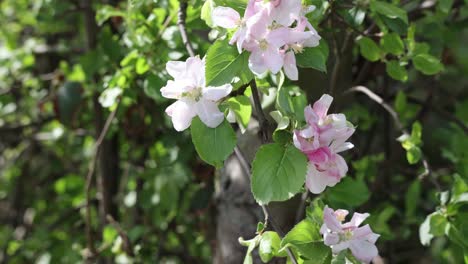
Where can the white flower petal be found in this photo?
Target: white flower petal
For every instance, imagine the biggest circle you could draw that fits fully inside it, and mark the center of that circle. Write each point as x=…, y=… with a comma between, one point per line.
x=225, y=17
x=216, y=93
x=182, y=113
x=176, y=68
x=363, y=250
x=209, y=113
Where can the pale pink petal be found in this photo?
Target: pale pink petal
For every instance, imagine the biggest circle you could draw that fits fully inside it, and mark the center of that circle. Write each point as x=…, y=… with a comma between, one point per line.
x=174, y=89
x=225, y=17
x=290, y=68
x=331, y=239
x=365, y=233
x=216, y=93
x=361, y=232
x=310, y=116
x=341, y=165
x=342, y=147
x=182, y=113
x=322, y=105
x=330, y=220
x=273, y=59
x=317, y=181
x=340, y=247
x=196, y=70
x=209, y=113
x=358, y=218
x=277, y=37
x=176, y=68
x=363, y=250
x=257, y=25
x=256, y=63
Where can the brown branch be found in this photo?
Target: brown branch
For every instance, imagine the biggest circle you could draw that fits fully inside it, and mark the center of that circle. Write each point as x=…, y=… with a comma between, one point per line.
x=376, y=98
x=443, y=113
x=127, y=244
x=183, y=31
x=89, y=178
x=264, y=124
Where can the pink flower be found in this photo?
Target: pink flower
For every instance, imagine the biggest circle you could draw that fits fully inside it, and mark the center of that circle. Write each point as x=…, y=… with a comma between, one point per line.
x=266, y=32
x=341, y=236
x=321, y=140
x=193, y=97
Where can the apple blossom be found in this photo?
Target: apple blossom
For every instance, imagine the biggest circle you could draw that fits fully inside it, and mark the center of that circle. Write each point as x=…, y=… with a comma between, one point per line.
x=341, y=236
x=266, y=32
x=324, y=136
x=193, y=97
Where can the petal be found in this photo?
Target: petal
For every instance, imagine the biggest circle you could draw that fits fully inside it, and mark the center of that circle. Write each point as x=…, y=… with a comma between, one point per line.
x=175, y=68
x=225, y=17
x=174, y=89
x=310, y=115
x=330, y=220
x=182, y=113
x=322, y=105
x=273, y=59
x=216, y=93
x=256, y=62
x=358, y=219
x=209, y=113
x=320, y=155
x=277, y=37
x=365, y=233
x=196, y=70
x=331, y=239
x=340, y=247
x=341, y=165
x=317, y=181
x=290, y=68
x=363, y=250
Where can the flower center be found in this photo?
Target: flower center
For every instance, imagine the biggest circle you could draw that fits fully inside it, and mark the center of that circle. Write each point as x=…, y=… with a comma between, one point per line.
x=346, y=235
x=195, y=94
x=297, y=48
x=263, y=44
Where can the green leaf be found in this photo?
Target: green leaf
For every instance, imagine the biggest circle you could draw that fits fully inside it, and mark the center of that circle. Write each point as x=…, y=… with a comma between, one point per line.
x=315, y=58
x=141, y=66
x=392, y=43
x=349, y=191
x=416, y=133
x=389, y=10
x=438, y=224
x=400, y=102
x=214, y=145
x=315, y=253
x=107, y=11
x=251, y=245
x=269, y=246
x=369, y=49
x=242, y=108
x=206, y=12
x=303, y=232
x=278, y=173
x=224, y=63
x=413, y=155
x=412, y=198
x=427, y=64
x=109, y=234
x=396, y=71
x=291, y=101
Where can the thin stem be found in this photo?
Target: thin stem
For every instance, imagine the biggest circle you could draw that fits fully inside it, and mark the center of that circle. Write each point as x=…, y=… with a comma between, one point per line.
x=376, y=98
x=183, y=31
x=89, y=178
x=261, y=115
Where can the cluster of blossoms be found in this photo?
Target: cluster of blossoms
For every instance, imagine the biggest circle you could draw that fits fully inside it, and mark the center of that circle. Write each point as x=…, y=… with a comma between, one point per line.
x=193, y=97
x=323, y=138
x=341, y=236
x=272, y=31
